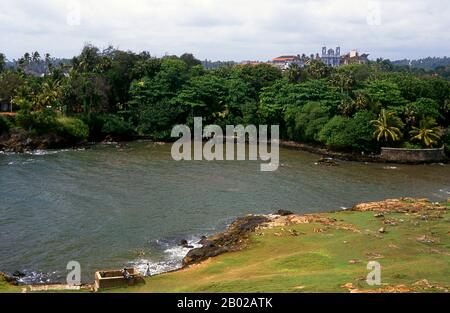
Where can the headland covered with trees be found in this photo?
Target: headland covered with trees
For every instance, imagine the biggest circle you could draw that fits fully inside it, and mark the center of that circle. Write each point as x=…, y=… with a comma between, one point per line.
x=121, y=94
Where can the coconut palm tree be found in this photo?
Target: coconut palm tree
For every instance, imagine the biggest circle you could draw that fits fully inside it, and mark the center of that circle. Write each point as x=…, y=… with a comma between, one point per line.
x=428, y=132
x=387, y=126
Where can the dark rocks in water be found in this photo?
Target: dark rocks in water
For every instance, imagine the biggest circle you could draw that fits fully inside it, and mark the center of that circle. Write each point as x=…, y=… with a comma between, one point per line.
x=284, y=212
x=202, y=240
x=20, y=141
x=232, y=239
x=185, y=244
x=18, y=274
x=327, y=162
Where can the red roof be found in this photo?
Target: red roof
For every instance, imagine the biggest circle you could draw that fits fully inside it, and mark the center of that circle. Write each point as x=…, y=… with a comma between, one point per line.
x=285, y=58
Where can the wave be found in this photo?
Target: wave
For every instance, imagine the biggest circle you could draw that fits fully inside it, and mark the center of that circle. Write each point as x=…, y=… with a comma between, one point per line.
x=36, y=278
x=172, y=260
x=46, y=152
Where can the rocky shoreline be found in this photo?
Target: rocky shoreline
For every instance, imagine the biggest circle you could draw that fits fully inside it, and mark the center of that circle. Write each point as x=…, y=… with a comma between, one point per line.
x=19, y=141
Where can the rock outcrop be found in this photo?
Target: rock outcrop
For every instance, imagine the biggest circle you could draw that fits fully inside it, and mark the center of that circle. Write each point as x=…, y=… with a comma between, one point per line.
x=232, y=239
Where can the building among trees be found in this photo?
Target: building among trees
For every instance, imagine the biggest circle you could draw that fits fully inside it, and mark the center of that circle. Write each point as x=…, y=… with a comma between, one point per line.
x=331, y=57
x=285, y=61
x=353, y=57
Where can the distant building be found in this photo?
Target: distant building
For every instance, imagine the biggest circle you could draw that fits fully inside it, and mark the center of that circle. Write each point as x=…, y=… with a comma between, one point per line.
x=285, y=61
x=5, y=107
x=353, y=57
x=331, y=57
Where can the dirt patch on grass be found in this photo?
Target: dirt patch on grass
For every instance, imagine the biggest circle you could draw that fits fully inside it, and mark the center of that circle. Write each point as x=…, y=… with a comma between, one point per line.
x=420, y=286
x=402, y=205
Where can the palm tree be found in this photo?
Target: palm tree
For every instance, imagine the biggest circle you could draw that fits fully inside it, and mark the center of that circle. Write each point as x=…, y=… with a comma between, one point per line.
x=35, y=57
x=387, y=126
x=428, y=132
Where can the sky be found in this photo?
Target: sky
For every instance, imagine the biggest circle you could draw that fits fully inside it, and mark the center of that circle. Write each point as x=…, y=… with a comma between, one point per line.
x=227, y=29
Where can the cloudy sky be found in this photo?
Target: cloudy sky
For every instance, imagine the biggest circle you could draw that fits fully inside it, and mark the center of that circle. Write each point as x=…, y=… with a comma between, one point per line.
x=227, y=29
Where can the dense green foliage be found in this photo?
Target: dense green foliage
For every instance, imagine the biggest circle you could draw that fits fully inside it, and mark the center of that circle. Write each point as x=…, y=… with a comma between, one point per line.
x=121, y=94
x=5, y=124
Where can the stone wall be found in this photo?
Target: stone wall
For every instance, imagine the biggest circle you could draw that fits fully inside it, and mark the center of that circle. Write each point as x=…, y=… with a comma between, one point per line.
x=413, y=155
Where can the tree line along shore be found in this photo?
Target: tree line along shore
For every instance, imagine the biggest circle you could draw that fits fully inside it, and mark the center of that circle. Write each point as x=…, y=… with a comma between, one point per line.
x=117, y=94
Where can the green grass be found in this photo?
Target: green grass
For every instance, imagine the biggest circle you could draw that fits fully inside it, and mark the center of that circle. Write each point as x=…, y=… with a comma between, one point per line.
x=8, y=288
x=319, y=261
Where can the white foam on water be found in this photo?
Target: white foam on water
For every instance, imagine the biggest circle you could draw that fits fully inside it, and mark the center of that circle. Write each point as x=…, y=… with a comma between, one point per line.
x=172, y=261
x=37, y=278
x=46, y=152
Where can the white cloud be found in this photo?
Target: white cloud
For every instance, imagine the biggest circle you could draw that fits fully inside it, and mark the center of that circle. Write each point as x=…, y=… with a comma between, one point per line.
x=231, y=29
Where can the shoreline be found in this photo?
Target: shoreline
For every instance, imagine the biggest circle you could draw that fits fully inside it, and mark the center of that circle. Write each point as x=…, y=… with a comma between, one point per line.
x=237, y=236
x=24, y=146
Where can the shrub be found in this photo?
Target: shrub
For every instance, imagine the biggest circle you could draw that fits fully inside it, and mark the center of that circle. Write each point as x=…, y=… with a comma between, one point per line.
x=5, y=124
x=345, y=133
x=116, y=126
x=72, y=129
x=410, y=145
x=40, y=122
x=102, y=124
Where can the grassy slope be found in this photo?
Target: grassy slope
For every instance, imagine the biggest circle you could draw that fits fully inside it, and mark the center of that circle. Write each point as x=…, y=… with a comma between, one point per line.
x=276, y=261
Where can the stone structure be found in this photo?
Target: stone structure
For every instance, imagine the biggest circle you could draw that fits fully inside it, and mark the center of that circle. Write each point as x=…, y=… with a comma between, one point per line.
x=401, y=155
x=116, y=278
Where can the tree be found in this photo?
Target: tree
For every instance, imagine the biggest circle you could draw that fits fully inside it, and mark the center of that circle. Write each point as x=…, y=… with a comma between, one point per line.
x=84, y=93
x=387, y=127
x=295, y=74
x=384, y=92
x=205, y=96
x=345, y=133
x=89, y=59
x=304, y=123
x=48, y=97
x=48, y=62
x=428, y=133
x=10, y=83
x=119, y=76
x=421, y=109
x=317, y=69
x=190, y=60
x=36, y=57
x=258, y=76
x=2, y=63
